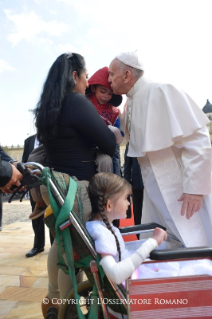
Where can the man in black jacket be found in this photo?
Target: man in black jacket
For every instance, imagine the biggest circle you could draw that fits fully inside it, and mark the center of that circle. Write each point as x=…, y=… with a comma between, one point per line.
x=37, y=223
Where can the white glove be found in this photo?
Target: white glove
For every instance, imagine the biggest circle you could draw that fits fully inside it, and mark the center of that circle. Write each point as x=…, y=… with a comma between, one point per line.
x=118, y=272
x=117, y=133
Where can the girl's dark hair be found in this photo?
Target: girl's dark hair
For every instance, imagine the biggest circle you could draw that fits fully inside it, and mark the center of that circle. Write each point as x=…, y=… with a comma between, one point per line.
x=102, y=187
x=58, y=84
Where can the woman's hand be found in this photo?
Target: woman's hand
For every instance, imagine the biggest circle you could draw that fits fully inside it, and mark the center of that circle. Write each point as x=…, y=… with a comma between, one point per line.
x=159, y=235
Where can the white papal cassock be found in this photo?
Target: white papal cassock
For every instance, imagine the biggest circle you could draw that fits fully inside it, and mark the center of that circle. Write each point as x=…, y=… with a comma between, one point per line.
x=168, y=135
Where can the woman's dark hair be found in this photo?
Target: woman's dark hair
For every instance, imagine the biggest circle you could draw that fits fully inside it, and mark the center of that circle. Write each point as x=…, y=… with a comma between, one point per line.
x=58, y=84
x=102, y=187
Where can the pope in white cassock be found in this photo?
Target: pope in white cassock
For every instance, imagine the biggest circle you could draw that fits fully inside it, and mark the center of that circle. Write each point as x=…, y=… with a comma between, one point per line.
x=167, y=133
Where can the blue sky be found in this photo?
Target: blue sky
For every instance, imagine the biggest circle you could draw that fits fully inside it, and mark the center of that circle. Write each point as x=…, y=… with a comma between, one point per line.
x=173, y=39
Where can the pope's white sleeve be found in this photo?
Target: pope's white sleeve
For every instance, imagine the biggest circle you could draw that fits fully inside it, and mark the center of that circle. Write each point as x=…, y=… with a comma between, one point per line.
x=196, y=162
x=118, y=272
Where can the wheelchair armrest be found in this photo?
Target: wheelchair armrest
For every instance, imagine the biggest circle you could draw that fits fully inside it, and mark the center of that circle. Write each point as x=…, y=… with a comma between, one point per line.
x=138, y=228
x=193, y=252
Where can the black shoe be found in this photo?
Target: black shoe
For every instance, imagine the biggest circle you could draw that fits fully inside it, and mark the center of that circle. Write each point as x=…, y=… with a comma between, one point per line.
x=34, y=252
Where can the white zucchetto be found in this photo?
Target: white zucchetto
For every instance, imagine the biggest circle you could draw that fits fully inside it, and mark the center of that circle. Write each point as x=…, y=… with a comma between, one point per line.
x=131, y=59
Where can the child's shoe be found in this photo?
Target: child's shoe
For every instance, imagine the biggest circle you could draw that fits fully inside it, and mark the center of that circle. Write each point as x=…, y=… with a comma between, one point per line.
x=39, y=210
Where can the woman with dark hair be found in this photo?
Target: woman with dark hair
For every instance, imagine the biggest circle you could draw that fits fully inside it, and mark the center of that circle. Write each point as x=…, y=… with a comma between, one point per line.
x=67, y=123
x=70, y=128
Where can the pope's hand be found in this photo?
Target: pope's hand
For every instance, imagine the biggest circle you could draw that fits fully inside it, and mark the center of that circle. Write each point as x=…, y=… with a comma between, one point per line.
x=191, y=204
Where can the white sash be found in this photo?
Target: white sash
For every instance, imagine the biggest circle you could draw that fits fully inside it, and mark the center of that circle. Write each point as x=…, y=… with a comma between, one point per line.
x=170, y=181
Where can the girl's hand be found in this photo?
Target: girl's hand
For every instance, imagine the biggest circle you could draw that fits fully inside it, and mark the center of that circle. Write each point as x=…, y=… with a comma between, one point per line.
x=159, y=235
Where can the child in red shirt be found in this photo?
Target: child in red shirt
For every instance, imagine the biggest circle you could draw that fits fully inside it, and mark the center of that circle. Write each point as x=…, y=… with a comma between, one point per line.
x=101, y=96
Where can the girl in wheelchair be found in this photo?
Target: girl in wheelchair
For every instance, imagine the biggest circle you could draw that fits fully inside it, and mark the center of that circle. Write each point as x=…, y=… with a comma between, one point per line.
x=108, y=195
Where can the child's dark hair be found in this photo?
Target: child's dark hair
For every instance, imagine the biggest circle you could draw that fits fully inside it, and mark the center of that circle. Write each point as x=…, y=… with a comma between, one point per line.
x=58, y=84
x=104, y=186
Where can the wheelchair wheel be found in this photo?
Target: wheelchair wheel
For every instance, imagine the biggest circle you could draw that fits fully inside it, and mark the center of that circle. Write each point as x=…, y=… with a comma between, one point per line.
x=68, y=310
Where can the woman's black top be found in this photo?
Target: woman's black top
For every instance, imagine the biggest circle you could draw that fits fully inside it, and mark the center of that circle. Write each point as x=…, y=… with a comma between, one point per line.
x=80, y=130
